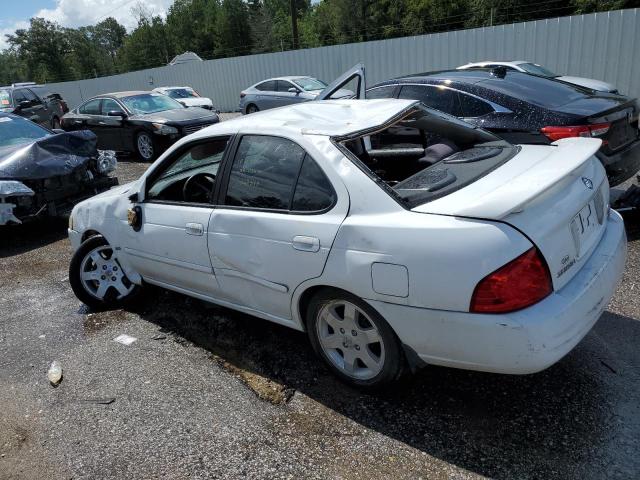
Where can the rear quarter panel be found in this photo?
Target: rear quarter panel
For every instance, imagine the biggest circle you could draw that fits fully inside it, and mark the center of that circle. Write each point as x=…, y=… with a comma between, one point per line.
x=445, y=257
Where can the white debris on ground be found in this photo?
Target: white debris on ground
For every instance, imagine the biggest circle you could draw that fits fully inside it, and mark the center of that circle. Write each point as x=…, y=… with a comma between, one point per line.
x=125, y=339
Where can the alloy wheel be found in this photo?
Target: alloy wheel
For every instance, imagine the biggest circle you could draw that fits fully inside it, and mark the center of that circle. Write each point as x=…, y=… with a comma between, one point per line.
x=145, y=146
x=101, y=274
x=350, y=339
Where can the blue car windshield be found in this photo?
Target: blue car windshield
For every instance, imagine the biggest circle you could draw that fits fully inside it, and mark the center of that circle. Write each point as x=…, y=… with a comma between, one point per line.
x=16, y=131
x=150, y=103
x=309, y=84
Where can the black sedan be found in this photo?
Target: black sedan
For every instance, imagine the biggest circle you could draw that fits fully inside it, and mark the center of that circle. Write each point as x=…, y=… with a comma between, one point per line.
x=145, y=123
x=44, y=173
x=524, y=108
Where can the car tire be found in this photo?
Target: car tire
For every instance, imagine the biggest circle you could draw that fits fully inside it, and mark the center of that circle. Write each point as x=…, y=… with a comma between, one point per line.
x=97, y=278
x=145, y=146
x=251, y=108
x=353, y=340
x=55, y=123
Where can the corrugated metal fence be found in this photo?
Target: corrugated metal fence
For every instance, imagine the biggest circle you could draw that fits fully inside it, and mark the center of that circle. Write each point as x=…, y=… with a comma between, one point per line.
x=604, y=45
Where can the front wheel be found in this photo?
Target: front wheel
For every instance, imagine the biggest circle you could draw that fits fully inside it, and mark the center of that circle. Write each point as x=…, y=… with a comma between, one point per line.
x=97, y=278
x=354, y=340
x=145, y=147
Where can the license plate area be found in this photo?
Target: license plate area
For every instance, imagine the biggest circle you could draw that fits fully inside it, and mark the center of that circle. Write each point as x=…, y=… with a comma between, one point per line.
x=587, y=223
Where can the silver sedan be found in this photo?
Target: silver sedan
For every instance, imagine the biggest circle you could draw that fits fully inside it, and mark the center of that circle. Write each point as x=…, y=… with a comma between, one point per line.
x=281, y=91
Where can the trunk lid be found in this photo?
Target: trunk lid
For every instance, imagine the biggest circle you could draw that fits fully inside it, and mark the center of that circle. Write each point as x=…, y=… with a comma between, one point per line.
x=620, y=113
x=556, y=195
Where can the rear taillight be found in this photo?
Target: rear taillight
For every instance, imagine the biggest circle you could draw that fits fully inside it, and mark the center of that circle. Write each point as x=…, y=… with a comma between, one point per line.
x=517, y=285
x=242, y=94
x=595, y=130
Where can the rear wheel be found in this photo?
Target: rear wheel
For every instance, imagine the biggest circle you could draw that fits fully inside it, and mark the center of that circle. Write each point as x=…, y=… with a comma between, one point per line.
x=251, y=108
x=96, y=276
x=354, y=340
x=145, y=147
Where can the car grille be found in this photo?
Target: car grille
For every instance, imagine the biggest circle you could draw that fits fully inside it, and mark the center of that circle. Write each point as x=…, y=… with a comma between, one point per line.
x=189, y=129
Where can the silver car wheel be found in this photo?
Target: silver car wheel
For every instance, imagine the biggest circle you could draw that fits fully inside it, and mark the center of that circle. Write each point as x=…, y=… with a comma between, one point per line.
x=100, y=272
x=145, y=146
x=350, y=340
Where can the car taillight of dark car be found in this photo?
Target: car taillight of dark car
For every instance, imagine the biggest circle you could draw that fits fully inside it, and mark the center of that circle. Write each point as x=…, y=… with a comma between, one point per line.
x=554, y=133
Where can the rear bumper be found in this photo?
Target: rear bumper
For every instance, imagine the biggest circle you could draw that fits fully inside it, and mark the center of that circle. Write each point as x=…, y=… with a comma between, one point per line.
x=622, y=165
x=521, y=342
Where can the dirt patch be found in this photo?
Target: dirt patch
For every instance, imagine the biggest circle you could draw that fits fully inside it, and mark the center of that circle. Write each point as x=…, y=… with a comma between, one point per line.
x=94, y=322
x=12, y=437
x=264, y=388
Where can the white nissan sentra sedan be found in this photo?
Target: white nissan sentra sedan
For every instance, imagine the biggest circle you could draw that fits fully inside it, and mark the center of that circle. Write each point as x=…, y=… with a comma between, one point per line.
x=394, y=235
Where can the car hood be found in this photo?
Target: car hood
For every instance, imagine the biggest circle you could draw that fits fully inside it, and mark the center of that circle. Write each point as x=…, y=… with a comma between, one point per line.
x=51, y=156
x=195, y=102
x=178, y=115
x=591, y=83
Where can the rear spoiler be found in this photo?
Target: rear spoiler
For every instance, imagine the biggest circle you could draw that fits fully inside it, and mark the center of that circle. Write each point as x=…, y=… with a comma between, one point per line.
x=496, y=204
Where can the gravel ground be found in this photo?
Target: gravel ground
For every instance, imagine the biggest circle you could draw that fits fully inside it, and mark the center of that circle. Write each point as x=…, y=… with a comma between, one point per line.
x=206, y=392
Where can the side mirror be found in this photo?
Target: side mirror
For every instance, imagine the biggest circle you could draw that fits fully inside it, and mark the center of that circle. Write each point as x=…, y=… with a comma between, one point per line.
x=117, y=113
x=293, y=90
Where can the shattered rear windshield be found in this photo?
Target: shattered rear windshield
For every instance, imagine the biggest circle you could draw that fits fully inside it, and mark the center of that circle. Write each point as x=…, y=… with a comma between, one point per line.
x=426, y=154
x=16, y=131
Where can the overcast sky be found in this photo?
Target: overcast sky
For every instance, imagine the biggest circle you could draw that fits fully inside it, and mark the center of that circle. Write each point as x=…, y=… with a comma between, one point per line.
x=72, y=13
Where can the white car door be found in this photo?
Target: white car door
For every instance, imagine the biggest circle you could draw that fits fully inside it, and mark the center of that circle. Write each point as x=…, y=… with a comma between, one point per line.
x=168, y=245
x=275, y=224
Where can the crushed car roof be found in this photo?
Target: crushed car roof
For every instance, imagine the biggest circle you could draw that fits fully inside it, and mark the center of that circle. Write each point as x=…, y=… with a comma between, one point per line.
x=328, y=117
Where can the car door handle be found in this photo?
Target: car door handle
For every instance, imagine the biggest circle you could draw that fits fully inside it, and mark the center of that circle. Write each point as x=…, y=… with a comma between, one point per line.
x=306, y=244
x=194, y=229
x=101, y=123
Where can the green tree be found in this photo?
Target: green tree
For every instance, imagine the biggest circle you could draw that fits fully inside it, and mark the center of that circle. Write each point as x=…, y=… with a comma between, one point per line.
x=147, y=46
x=12, y=68
x=589, y=6
x=233, y=30
x=42, y=48
x=110, y=36
x=191, y=25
